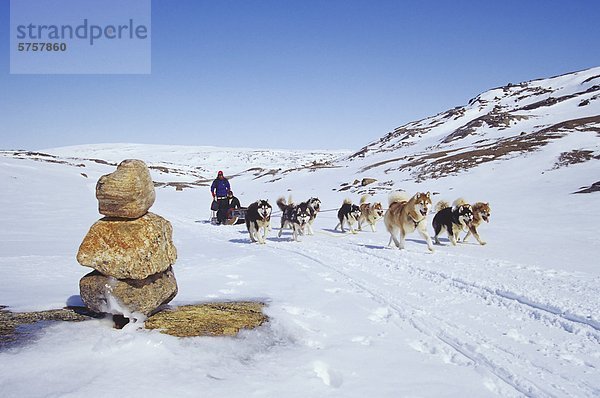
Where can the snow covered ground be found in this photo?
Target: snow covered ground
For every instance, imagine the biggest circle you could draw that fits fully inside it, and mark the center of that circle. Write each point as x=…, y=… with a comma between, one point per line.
x=349, y=316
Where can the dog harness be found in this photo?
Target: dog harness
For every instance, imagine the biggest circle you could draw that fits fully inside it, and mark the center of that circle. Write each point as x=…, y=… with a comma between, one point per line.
x=415, y=221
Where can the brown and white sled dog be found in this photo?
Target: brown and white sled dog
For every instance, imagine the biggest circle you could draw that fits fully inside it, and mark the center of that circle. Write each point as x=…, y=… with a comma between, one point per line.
x=406, y=214
x=453, y=219
x=258, y=216
x=481, y=212
x=369, y=212
x=294, y=216
x=348, y=214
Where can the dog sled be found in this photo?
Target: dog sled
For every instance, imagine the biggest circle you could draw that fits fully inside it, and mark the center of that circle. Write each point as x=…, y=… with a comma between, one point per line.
x=234, y=216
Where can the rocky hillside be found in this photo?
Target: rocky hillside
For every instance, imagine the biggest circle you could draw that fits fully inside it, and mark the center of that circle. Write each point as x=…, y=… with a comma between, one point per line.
x=499, y=124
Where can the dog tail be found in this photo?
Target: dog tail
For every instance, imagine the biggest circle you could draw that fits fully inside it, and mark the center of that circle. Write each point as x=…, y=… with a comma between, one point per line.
x=281, y=203
x=442, y=204
x=364, y=198
x=459, y=202
x=398, y=196
x=347, y=201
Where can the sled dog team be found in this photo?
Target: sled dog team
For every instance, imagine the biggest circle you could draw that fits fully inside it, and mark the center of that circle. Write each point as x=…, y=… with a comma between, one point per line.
x=297, y=217
x=405, y=214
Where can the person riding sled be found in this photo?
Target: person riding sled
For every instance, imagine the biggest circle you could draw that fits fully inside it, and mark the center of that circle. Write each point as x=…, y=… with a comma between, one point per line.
x=219, y=189
x=234, y=203
x=233, y=210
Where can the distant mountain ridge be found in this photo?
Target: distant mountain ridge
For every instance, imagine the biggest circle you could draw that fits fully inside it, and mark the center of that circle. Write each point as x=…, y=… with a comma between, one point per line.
x=557, y=117
x=187, y=166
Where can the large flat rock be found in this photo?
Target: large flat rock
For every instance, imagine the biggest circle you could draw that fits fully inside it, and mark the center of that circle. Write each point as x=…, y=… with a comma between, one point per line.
x=21, y=327
x=210, y=319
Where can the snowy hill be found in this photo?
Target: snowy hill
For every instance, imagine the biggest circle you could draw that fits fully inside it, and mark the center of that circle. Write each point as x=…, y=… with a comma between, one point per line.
x=349, y=317
x=499, y=124
x=188, y=166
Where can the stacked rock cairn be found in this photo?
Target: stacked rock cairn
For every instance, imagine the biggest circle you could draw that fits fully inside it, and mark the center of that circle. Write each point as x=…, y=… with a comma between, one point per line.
x=130, y=249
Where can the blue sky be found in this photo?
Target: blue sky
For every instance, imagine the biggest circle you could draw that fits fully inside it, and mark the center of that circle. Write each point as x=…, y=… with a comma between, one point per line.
x=326, y=74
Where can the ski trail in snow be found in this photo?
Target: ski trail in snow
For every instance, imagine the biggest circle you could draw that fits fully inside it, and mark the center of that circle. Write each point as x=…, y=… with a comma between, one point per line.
x=504, y=364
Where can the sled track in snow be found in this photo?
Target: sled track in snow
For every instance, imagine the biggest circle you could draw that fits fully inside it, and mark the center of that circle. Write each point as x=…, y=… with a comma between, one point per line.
x=414, y=319
x=465, y=342
x=552, y=310
x=552, y=313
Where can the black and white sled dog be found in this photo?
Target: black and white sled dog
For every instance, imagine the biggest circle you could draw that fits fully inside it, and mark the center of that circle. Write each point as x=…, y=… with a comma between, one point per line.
x=348, y=214
x=369, y=212
x=258, y=216
x=452, y=218
x=314, y=207
x=295, y=216
x=481, y=212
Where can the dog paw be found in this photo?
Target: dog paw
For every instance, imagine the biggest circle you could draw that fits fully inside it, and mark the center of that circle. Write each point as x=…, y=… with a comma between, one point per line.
x=483, y=243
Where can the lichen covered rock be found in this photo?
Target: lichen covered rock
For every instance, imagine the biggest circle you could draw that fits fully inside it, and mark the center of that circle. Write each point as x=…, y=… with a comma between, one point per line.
x=143, y=296
x=210, y=319
x=129, y=249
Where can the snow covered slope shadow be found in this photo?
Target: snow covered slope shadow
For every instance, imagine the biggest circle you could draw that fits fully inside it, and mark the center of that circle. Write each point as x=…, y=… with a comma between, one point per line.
x=350, y=317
